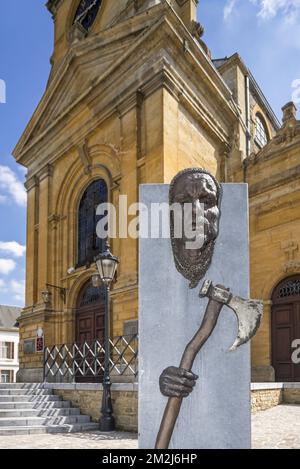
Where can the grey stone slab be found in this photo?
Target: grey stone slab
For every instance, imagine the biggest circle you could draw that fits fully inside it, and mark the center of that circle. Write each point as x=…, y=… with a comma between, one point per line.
x=217, y=414
x=89, y=386
x=65, y=386
x=264, y=386
x=291, y=385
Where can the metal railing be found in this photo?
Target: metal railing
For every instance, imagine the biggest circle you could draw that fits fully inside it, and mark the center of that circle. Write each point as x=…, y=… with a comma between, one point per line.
x=76, y=362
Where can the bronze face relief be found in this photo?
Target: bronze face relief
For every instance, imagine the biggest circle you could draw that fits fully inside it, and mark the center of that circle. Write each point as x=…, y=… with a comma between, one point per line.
x=195, y=187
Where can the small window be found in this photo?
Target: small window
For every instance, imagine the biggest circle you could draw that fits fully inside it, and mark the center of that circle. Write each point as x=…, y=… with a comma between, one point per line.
x=87, y=12
x=6, y=376
x=6, y=350
x=261, y=135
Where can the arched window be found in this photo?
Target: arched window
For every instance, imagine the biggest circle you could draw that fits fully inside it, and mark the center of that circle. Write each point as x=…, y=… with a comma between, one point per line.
x=87, y=12
x=89, y=245
x=261, y=135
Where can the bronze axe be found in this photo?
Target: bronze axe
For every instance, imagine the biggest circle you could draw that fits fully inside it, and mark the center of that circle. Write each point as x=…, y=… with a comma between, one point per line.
x=249, y=314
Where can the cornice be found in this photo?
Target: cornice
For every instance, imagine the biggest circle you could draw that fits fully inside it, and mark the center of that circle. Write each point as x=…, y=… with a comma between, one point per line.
x=45, y=172
x=163, y=78
x=53, y=6
x=196, y=56
x=31, y=183
x=279, y=179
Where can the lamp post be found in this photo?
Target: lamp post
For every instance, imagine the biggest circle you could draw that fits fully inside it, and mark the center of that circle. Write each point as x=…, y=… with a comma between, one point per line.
x=107, y=266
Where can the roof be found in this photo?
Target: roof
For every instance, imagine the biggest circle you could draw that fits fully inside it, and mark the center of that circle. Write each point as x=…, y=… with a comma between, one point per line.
x=9, y=316
x=224, y=62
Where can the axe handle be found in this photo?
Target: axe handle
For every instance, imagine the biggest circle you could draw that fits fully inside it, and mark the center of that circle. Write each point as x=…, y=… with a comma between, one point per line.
x=191, y=351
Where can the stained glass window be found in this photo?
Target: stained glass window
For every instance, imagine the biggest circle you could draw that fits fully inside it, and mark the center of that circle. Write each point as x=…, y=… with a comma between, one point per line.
x=87, y=12
x=89, y=245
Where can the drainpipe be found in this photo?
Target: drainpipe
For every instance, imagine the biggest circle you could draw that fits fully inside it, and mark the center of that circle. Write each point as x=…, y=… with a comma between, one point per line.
x=248, y=124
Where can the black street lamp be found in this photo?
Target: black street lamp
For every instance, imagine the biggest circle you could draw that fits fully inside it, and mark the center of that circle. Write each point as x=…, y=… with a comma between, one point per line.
x=107, y=266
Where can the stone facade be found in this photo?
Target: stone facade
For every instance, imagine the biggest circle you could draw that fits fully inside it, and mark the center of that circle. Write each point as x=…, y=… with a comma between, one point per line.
x=263, y=399
x=273, y=176
x=264, y=395
x=135, y=100
x=125, y=399
x=88, y=398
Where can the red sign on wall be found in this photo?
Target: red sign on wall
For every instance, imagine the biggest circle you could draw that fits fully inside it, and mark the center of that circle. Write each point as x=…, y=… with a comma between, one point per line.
x=39, y=344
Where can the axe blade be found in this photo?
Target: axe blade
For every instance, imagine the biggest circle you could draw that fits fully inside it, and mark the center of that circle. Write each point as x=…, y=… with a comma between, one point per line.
x=249, y=314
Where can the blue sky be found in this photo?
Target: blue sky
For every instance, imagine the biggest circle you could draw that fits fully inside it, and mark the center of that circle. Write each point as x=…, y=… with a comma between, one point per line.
x=266, y=33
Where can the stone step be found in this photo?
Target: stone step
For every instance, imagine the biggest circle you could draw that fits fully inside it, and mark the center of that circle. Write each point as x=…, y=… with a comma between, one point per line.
x=47, y=421
x=33, y=405
x=32, y=409
x=21, y=386
x=16, y=405
x=9, y=413
x=28, y=398
x=26, y=392
x=40, y=429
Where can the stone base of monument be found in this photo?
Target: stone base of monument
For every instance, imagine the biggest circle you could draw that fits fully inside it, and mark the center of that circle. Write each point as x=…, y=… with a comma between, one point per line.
x=217, y=413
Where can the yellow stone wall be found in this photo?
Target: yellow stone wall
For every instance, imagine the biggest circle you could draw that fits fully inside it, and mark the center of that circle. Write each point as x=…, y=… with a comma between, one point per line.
x=55, y=197
x=274, y=181
x=125, y=405
x=135, y=103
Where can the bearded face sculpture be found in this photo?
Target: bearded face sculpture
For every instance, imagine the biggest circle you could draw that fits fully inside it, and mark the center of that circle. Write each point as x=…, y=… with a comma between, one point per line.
x=198, y=194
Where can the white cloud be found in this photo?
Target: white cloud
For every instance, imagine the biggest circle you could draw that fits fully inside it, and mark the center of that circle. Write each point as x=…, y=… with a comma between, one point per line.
x=229, y=7
x=268, y=9
x=22, y=170
x=12, y=248
x=10, y=183
x=3, y=199
x=296, y=92
x=7, y=266
x=2, y=92
x=17, y=287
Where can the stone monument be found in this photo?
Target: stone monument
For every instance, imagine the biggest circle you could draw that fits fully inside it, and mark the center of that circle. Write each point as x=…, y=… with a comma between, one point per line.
x=216, y=414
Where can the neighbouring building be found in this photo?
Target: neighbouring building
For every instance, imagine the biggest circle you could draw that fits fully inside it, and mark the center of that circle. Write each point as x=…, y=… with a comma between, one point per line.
x=9, y=343
x=133, y=97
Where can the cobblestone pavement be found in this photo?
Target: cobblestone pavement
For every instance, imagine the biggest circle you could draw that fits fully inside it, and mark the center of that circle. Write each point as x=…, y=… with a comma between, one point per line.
x=88, y=440
x=278, y=427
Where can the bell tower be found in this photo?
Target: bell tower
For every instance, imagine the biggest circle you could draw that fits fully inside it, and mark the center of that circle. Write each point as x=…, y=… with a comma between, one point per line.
x=132, y=99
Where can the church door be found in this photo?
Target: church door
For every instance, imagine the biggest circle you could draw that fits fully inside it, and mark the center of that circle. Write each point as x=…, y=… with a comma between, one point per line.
x=90, y=312
x=286, y=328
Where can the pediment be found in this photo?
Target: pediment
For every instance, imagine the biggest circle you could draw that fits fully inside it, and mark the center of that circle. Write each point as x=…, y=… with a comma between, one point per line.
x=84, y=64
x=81, y=69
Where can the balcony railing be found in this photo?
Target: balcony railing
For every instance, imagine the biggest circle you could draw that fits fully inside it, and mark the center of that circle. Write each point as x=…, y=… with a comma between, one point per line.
x=85, y=362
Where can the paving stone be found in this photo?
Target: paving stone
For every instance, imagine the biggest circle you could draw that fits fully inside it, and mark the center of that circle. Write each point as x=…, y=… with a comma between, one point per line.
x=278, y=427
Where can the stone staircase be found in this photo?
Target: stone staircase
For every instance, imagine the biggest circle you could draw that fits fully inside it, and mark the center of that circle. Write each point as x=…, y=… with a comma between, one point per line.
x=31, y=409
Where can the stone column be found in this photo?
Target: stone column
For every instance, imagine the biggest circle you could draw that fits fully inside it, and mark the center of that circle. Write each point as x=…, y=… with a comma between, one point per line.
x=44, y=202
x=32, y=240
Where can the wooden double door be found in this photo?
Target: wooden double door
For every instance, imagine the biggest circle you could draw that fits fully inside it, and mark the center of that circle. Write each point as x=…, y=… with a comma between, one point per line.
x=90, y=328
x=286, y=329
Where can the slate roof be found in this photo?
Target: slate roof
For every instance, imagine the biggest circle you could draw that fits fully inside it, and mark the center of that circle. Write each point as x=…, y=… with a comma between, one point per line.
x=8, y=316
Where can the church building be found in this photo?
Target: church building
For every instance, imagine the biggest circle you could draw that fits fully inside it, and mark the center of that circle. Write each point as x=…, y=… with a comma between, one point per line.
x=134, y=96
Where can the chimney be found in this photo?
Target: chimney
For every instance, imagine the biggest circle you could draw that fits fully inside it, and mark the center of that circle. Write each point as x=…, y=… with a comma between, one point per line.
x=289, y=112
